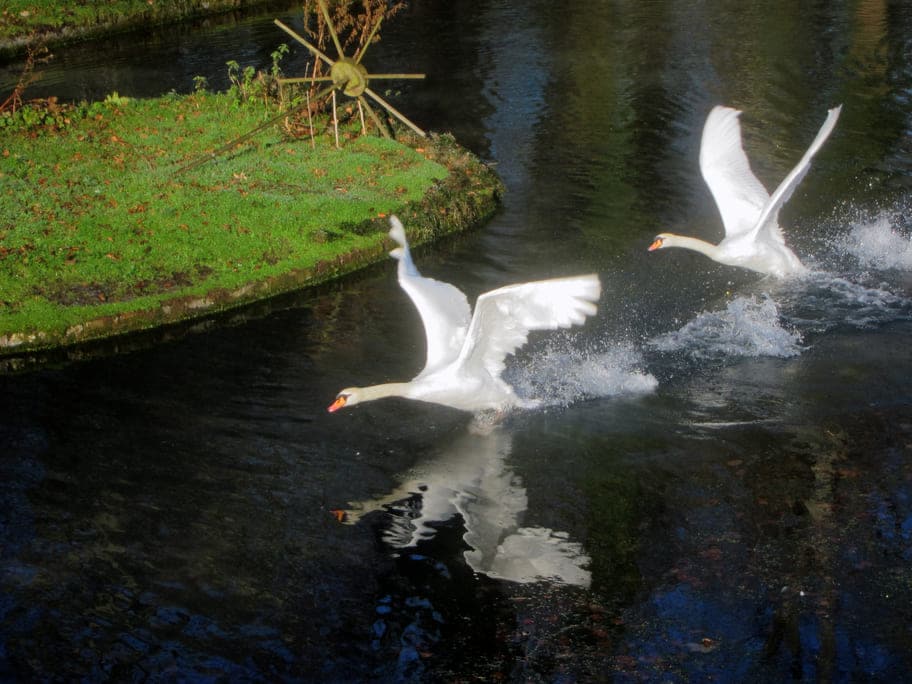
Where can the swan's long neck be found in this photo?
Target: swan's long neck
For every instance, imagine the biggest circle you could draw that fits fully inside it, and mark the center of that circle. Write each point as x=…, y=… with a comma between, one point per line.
x=695, y=244
x=389, y=389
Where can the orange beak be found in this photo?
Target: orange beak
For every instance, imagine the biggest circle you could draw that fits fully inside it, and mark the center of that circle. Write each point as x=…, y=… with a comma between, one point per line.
x=655, y=245
x=336, y=405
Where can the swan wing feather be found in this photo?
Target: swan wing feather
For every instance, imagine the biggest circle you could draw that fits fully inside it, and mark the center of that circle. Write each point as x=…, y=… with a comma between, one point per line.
x=444, y=309
x=739, y=195
x=767, y=226
x=504, y=317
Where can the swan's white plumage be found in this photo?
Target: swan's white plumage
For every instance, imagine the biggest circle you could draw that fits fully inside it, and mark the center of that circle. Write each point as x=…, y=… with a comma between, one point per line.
x=466, y=352
x=444, y=309
x=753, y=237
x=769, y=217
x=739, y=195
x=504, y=317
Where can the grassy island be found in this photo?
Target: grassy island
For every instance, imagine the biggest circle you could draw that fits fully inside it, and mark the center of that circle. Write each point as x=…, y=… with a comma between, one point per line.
x=25, y=23
x=104, y=230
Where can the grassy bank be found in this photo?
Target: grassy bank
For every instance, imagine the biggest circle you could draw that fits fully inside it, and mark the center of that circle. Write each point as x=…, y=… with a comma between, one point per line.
x=25, y=22
x=102, y=233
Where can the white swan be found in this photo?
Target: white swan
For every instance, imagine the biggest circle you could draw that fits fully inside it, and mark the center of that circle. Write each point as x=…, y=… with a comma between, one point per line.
x=465, y=353
x=753, y=238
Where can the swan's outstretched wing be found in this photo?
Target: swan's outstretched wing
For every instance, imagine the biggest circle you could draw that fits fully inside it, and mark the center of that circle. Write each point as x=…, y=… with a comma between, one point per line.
x=504, y=317
x=768, y=221
x=444, y=310
x=726, y=170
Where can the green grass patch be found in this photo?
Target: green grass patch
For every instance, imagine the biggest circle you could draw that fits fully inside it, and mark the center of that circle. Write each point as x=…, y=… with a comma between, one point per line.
x=24, y=21
x=97, y=220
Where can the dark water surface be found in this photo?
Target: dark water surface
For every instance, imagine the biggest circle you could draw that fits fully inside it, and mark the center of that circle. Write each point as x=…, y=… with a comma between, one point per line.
x=719, y=488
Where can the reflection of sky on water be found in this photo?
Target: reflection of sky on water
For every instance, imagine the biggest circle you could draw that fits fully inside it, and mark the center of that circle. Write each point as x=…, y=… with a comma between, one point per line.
x=770, y=556
x=471, y=479
x=516, y=71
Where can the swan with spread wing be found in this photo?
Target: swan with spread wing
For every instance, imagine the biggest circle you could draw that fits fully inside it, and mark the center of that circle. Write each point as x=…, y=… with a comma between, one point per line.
x=466, y=351
x=753, y=238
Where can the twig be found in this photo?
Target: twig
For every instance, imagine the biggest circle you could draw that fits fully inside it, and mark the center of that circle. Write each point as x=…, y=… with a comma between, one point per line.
x=310, y=122
x=199, y=161
x=335, y=120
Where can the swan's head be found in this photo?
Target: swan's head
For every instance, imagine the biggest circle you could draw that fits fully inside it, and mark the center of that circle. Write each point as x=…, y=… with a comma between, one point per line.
x=347, y=397
x=660, y=241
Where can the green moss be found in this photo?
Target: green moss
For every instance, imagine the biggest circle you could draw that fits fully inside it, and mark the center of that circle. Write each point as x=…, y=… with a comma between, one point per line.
x=97, y=220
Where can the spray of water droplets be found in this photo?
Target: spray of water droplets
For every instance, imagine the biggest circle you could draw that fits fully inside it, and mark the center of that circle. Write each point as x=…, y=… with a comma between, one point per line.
x=562, y=373
x=880, y=242
x=748, y=326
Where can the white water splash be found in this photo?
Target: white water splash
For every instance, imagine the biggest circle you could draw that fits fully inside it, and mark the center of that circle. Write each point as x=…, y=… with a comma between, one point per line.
x=562, y=373
x=822, y=301
x=879, y=243
x=749, y=326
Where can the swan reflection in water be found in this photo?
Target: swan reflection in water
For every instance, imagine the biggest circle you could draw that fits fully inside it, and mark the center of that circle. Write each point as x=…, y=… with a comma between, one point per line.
x=472, y=479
